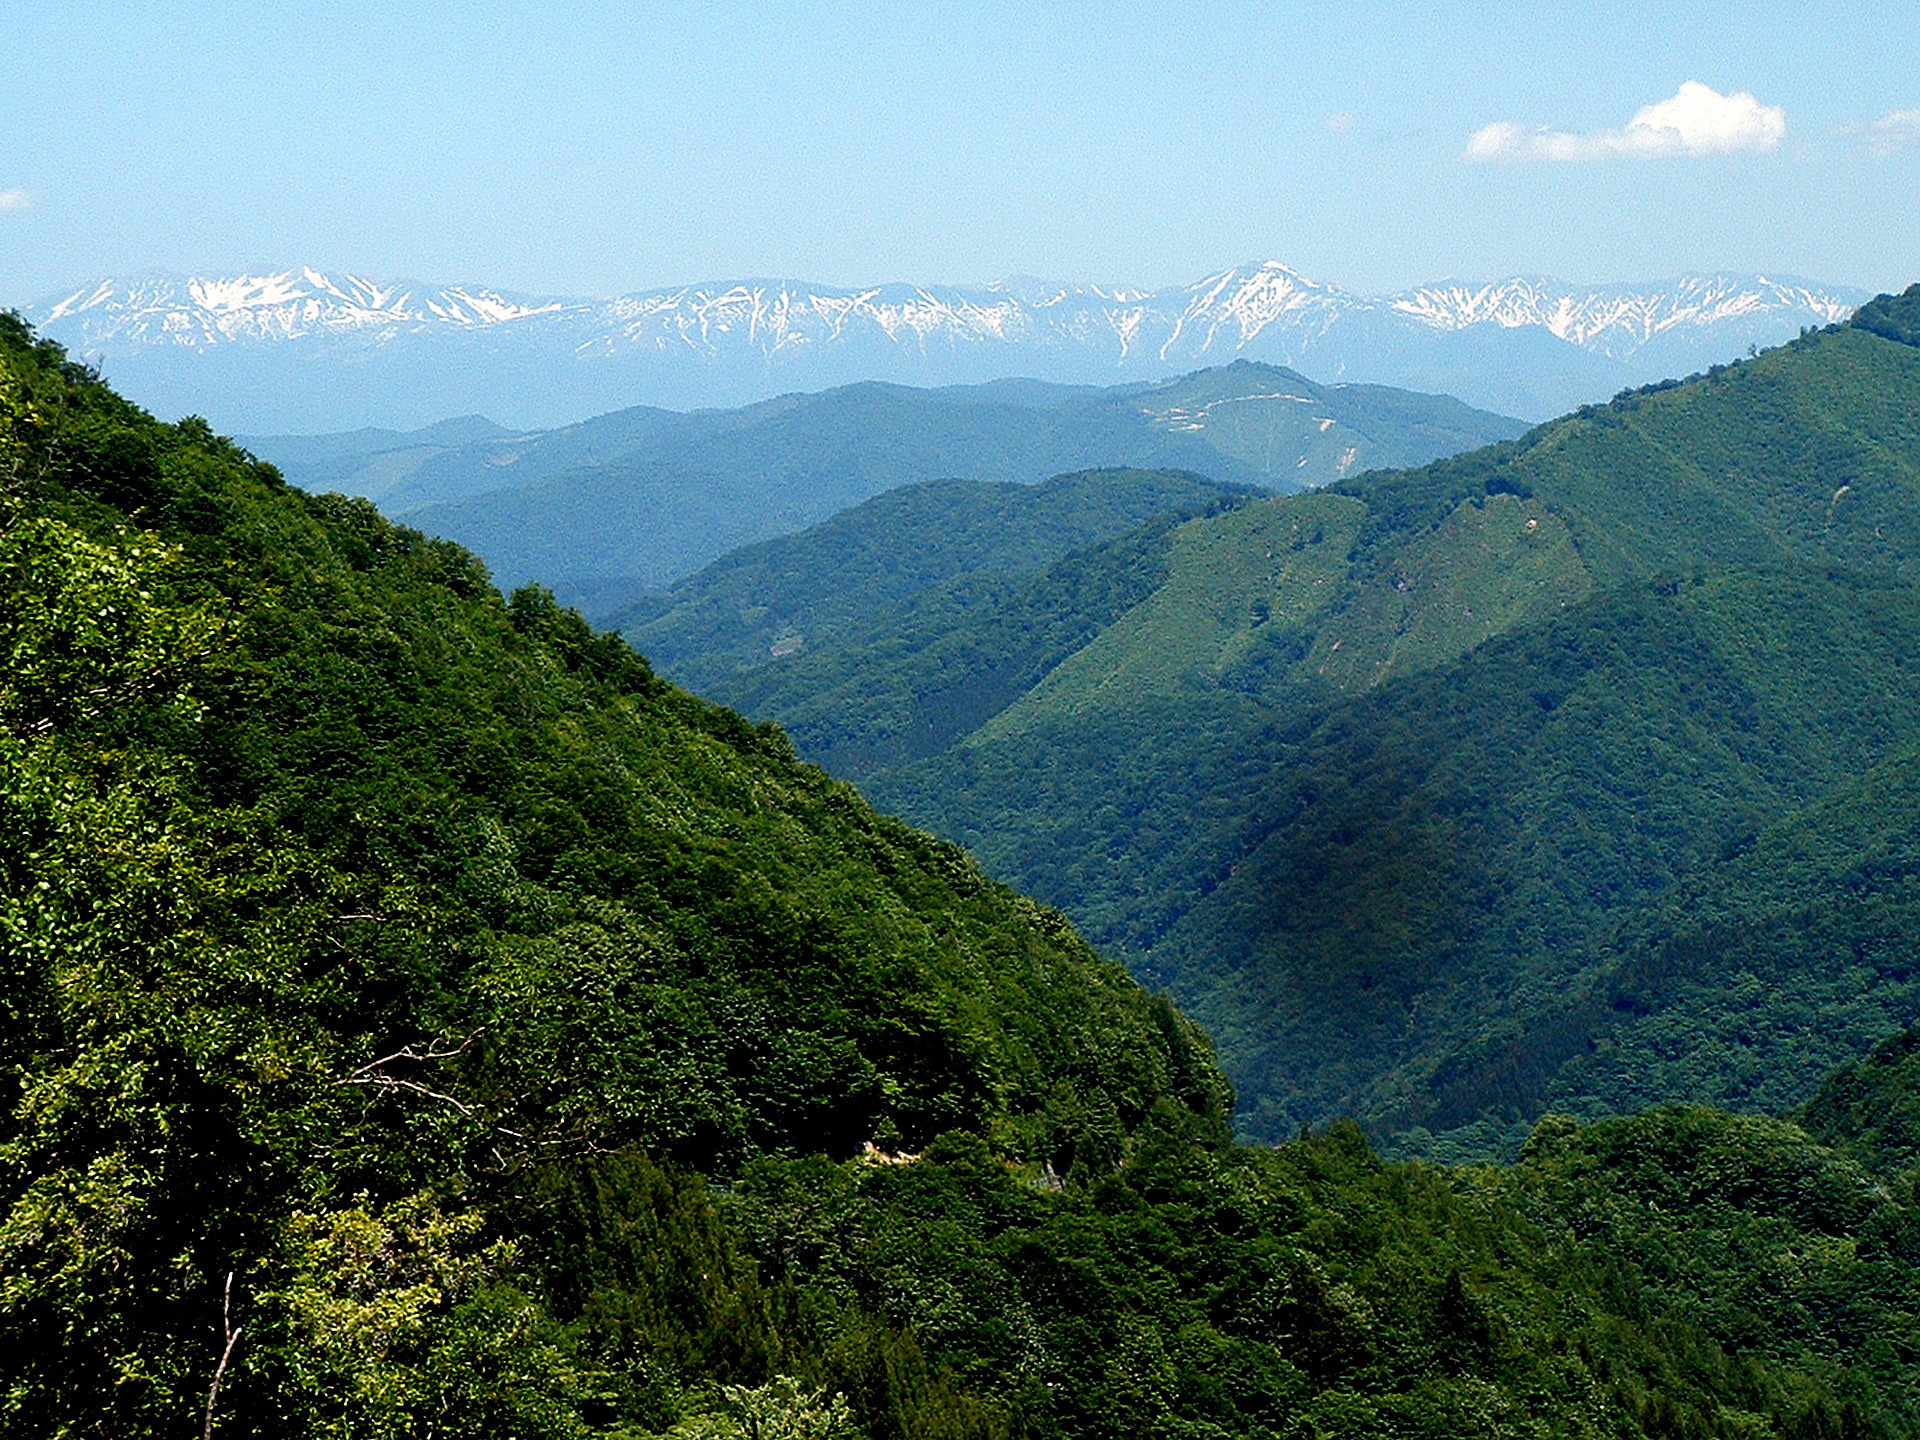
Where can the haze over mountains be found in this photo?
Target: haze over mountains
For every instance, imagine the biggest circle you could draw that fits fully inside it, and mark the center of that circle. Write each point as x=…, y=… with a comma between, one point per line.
x=627, y=502
x=304, y=351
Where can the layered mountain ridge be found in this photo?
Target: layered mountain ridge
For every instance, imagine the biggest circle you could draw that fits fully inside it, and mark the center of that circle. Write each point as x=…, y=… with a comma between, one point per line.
x=418, y=351
x=1428, y=792
x=611, y=507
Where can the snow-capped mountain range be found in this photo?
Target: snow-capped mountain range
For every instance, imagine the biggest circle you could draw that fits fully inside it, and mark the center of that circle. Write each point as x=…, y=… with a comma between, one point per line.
x=301, y=349
x=1620, y=320
x=197, y=311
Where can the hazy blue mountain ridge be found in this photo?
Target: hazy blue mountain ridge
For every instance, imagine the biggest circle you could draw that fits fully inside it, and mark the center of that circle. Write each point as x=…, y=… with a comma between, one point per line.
x=622, y=503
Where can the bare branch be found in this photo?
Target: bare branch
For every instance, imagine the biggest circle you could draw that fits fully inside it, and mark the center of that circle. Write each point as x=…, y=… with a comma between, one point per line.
x=408, y=1052
x=231, y=1332
x=373, y=1073
x=389, y=1082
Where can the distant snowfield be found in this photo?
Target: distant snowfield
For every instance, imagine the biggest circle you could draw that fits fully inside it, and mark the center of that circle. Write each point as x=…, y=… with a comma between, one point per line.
x=302, y=350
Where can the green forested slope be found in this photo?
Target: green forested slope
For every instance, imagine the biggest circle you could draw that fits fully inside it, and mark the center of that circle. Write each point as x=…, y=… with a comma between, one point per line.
x=1670, y=720
x=1454, y=850
x=855, y=574
x=330, y=876
x=1775, y=962
x=1870, y=1107
x=1772, y=1248
x=1377, y=778
x=419, y=1019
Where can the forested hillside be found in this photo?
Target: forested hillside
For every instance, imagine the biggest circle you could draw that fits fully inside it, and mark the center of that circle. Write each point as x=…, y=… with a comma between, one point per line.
x=418, y=1018
x=870, y=572
x=345, y=901
x=1437, y=794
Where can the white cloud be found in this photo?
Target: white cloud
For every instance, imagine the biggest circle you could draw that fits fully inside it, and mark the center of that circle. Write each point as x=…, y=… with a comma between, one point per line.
x=1340, y=122
x=15, y=200
x=1699, y=120
x=1893, y=131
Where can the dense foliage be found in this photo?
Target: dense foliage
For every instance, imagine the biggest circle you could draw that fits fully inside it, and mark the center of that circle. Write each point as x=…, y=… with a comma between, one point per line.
x=420, y=1019
x=339, y=893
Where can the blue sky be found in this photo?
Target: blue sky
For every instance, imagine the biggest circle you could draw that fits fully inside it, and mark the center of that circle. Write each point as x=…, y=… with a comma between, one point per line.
x=617, y=147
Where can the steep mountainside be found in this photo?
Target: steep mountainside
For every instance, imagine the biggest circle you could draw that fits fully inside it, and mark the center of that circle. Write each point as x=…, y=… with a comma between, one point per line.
x=1380, y=778
x=421, y=1019
x=629, y=501
x=400, y=354
x=327, y=868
